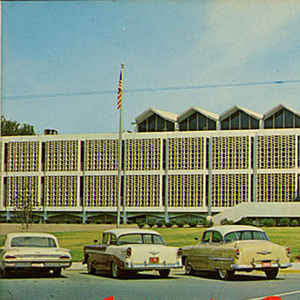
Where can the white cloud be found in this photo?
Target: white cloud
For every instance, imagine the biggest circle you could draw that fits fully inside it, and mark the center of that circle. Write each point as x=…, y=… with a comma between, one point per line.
x=241, y=30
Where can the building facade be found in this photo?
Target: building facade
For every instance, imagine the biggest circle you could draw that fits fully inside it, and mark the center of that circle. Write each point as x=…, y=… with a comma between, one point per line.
x=164, y=173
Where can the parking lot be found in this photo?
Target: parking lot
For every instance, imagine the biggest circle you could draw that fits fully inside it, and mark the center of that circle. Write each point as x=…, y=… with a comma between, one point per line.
x=76, y=283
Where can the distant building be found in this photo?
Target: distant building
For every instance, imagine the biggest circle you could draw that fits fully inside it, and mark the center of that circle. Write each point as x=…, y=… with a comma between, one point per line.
x=173, y=164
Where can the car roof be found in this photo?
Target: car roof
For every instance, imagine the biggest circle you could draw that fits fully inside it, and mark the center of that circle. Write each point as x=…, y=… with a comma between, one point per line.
x=224, y=229
x=120, y=231
x=19, y=234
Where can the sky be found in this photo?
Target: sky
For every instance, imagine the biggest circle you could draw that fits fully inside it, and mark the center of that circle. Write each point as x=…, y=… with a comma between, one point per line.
x=61, y=59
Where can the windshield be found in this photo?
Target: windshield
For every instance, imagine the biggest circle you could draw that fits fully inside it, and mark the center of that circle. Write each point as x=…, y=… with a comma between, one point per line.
x=33, y=241
x=140, y=238
x=245, y=235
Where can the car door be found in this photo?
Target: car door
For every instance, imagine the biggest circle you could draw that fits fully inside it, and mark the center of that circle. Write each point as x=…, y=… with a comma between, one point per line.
x=216, y=260
x=199, y=254
x=99, y=255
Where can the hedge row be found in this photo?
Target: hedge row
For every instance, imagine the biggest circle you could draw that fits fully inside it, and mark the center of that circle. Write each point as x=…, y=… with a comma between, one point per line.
x=271, y=222
x=179, y=223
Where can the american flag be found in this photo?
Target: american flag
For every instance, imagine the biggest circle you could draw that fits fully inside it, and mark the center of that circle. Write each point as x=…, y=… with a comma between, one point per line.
x=120, y=89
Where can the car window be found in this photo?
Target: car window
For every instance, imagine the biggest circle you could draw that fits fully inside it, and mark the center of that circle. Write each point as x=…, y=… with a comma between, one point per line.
x=258, y=235
x=216, y=237
x=153, y=239
x=113, y=239
x=245, y=235
x=206, y=237
x=133, y=238
x=2, y=240
x=105, y=238
x=137, y=238
x=33, y=241
x=231, y=237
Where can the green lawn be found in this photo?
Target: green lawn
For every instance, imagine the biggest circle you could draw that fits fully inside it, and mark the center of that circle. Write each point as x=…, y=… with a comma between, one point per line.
x=286, y=236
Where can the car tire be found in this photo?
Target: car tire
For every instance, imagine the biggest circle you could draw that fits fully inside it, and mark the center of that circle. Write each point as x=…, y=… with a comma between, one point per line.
x=3, y=273
x=90, y=268
x=225, y=274
x=271, y=273
x=164, y=273
x=57, y=272
x=188, y=268
x=115, y=270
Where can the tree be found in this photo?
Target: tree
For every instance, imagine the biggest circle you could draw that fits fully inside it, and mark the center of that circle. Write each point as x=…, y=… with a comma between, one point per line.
x=9, y=128
x=24, y=205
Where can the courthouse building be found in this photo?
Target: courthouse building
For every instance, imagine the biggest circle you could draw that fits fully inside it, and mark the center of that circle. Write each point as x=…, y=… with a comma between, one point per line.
x=195, y=163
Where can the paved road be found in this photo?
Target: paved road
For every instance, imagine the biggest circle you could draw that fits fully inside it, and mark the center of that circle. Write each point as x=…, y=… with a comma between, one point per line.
x=78, y=285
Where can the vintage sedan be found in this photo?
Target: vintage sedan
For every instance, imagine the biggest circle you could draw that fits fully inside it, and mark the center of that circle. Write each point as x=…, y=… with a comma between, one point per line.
x=232, y=248
x=33, y=252
x=129, y=251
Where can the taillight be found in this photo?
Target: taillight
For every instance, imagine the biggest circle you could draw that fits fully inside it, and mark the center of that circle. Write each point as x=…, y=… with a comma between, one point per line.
x=179, y=252
x=288, y=251
x=128, y=252
x=64, y=257
x=10, y=257
x=237, y=252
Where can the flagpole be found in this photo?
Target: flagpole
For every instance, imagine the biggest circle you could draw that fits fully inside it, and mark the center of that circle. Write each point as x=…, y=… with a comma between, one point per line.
x=119, y=106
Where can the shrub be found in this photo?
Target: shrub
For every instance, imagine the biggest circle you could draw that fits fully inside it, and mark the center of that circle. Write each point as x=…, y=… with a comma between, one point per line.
x=193, y=223
x=208, y=223
x=169, y=224
x=294, y=223
x=284, y=222
x=160, y=223
x=268, y=222
x=140, y=224
x=246, y=221
x=151, y=222
x=180, y=222
x=226, y=222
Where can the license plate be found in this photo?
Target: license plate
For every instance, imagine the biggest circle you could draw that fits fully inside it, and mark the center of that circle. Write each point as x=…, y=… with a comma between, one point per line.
x=266, y=264
x=154, y=260
x=35, y=265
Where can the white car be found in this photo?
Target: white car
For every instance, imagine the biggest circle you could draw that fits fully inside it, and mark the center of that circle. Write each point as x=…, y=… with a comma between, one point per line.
x=33, y=252
x=131, y=250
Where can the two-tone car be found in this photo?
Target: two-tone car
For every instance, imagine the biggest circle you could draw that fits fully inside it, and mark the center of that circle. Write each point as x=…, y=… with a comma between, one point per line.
x=232, y=248
x=33, y=252
x=130, y=251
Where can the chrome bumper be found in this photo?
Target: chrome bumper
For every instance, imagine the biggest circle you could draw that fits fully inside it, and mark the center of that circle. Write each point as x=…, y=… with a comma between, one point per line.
x=37, y=265
x=137, y=267
x=258, y=266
